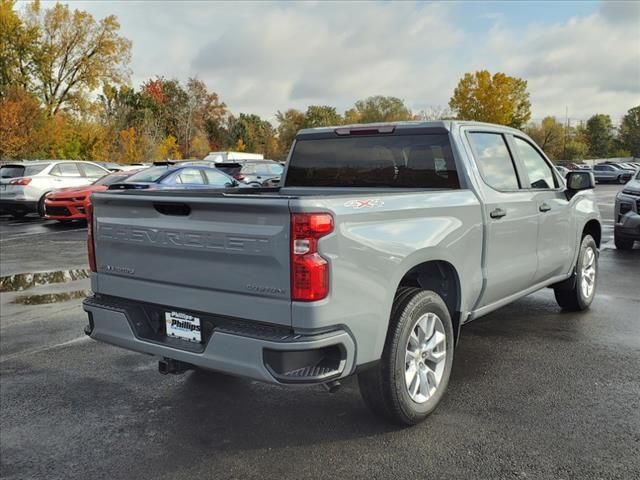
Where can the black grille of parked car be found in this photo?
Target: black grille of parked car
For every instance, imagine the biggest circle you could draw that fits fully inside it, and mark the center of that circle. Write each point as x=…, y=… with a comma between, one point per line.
x=58, y=211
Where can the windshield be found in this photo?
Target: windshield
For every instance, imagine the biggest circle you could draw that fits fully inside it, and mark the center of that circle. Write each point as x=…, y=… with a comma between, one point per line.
x=148, y=175
x=13, y=171
x=402, y=161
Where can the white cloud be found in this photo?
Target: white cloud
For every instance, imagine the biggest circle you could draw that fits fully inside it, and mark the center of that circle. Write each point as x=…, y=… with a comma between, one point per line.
x=263, y=57
x=589, y=64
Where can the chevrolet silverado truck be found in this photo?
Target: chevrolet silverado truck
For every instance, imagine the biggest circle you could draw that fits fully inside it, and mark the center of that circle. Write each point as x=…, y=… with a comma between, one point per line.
x=380, y=243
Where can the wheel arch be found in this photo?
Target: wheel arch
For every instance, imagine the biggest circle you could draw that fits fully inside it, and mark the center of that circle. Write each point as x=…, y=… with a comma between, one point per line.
x=593, y=228
x=441, y=277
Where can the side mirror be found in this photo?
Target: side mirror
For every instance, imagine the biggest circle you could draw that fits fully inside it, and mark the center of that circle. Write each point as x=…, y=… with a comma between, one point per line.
x=577, y=181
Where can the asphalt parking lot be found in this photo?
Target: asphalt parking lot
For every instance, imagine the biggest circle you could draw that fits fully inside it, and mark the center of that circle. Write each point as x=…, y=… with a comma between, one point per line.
x=535, y=392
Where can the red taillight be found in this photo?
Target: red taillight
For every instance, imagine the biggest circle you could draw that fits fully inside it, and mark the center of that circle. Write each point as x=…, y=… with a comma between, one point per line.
x=91, y=248
x=309, y=271
x=20, y=181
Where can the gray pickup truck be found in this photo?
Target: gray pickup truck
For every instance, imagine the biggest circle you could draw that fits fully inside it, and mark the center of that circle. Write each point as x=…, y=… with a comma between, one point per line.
x=380, y=243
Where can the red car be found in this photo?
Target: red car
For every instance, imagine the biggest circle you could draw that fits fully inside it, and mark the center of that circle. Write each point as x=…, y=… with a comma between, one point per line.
x=71, y=203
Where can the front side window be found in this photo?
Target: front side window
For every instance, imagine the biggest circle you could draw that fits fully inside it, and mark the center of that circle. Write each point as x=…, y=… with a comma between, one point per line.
x=494, y=160
x=539, y=171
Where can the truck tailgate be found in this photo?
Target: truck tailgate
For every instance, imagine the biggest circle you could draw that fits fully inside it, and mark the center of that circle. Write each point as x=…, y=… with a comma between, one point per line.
x=225, y=255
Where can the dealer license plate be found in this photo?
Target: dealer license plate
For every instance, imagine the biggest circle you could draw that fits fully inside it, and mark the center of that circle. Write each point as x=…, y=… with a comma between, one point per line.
x=183, y=326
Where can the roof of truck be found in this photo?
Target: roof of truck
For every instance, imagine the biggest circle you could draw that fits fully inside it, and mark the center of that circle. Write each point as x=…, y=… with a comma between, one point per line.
x=412, y=124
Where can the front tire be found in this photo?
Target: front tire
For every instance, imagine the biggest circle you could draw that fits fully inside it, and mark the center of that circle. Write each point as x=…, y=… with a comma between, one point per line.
x=580, y=295
x=621, y=180
x=412, y=375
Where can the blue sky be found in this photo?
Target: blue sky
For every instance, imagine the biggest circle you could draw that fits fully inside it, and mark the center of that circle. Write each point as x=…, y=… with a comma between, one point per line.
x=478, y=16
x=262, y=57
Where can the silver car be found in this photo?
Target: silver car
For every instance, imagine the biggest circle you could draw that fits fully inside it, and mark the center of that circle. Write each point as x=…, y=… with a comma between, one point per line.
x=606, y=172
x=23, y=185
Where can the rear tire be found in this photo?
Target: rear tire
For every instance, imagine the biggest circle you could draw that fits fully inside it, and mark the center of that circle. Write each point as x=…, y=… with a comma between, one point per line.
x=412, y=375
x=621, y=180
x=580, y=295
x=41, y=211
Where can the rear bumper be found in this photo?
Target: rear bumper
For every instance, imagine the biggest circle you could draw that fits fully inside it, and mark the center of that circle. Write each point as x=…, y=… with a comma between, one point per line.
x=15, y=205
x=243, y=350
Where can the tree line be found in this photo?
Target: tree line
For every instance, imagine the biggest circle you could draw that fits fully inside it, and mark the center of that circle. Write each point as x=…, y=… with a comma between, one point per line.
x=64, y=94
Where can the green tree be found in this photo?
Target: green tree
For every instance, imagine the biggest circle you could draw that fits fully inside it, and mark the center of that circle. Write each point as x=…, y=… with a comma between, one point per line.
x=599, y=133
x=549, y=134
x=321, y=116
x=67, y=54
x=497, y=99
x=254, y=133
x=378, y=109
x=575, y=150
x=629, y=132
x=289, y=122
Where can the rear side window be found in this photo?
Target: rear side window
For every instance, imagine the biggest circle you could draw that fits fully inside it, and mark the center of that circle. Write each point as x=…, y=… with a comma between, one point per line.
x=538, y=170
x=404, y=161
x=494, y=160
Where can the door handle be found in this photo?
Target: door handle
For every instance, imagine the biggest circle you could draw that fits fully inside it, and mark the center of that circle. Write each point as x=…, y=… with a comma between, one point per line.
x=545, y=207
x=497, y=213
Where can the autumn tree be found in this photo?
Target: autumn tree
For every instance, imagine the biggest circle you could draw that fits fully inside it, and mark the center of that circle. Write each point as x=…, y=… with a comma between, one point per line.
x=378, y=109
x=599, y=134
x=20, y=119
x=206, y=116
x=496, y=98
x=168, y=149
x=18, y=43
x=629, y=132
x=70, y=56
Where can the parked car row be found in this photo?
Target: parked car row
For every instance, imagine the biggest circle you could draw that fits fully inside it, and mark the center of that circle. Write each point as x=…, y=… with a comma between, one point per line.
x=610, y=172
x=24, y=185
x=61, y=189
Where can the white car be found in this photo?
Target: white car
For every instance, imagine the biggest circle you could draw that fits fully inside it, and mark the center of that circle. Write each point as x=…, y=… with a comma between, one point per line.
x=23, y=185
